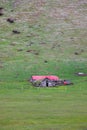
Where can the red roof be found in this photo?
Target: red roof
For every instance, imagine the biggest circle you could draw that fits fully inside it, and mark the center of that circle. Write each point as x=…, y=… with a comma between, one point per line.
x=51, y=77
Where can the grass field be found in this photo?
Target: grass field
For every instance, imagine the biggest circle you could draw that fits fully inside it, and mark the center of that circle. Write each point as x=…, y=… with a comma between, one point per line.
x=62, y=108
x=52, y=41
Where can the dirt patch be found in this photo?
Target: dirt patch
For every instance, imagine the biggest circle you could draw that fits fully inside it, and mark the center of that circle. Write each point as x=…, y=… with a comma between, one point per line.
x=35, y=52
x=1, y=66
x=19, y=49
x=13, y=44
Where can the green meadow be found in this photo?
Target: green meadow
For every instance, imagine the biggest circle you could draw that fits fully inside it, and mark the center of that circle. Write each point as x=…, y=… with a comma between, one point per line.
x=52, y=41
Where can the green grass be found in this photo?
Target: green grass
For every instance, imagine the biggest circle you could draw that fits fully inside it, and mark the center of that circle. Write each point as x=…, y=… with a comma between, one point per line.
x=23, y=107
x=42, y=109
x=53, y=31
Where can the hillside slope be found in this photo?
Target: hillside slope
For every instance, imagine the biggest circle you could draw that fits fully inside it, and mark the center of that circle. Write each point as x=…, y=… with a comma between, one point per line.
x=51, y=38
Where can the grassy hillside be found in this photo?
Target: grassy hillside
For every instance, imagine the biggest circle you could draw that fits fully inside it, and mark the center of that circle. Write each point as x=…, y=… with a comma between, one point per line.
x=51, y=40
x=51, y=32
